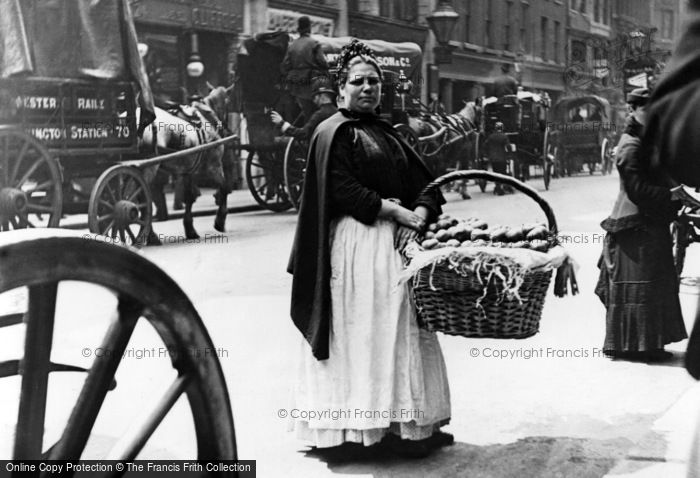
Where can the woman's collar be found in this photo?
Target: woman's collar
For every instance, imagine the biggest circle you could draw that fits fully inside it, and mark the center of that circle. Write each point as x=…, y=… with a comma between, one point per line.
x=358, y=115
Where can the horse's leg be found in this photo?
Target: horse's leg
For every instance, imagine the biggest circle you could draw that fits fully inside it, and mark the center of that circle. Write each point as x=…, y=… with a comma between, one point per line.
x=157, y=185
x=179, y=193
x=225, y=187
x=189, y=197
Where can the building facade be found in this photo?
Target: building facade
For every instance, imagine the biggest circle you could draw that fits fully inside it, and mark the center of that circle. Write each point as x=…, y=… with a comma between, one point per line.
x=178, y=34
x=528, y=35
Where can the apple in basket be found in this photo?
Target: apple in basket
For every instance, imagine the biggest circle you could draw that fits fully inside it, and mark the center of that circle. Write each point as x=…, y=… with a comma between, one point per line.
x=429, y=244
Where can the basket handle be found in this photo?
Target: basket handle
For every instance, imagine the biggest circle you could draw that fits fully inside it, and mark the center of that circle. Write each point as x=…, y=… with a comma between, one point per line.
x=498, y=178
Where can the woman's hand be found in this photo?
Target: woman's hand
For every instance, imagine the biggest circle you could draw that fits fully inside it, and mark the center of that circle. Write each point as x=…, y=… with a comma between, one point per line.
x=404, y=235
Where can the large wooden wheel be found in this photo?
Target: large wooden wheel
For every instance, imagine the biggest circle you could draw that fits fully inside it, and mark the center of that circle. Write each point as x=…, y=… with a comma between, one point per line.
x=264, y=173
x=294, y=169
x=30, y=183
x=120, y=206
x=40, y=263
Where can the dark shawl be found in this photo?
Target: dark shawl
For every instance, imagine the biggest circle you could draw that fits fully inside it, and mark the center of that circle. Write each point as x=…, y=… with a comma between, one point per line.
x=310, y=258
x=674, y=111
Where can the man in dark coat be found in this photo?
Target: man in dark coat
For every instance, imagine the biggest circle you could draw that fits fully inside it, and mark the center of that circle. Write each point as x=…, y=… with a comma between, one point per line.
x=324, y=99
x=303, y=61
x=495, y=148
x=505, y=84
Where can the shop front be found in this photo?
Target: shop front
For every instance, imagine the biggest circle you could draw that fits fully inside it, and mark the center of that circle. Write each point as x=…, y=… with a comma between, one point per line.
x=187, y=44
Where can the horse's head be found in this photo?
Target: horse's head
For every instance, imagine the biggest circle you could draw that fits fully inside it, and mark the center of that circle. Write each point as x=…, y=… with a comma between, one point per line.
x=472, y=112
x=218, y=100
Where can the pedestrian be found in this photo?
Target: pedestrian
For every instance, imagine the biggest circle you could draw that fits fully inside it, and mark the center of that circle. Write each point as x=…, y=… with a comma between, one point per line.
x=496, y=147
x=324, y=98
x=638, y=283
x=436, y=106
x=303, y=61
x=506, y=84
x=364, y=359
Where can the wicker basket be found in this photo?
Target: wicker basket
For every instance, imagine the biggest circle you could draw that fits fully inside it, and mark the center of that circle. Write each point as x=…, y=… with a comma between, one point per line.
x=457, y=305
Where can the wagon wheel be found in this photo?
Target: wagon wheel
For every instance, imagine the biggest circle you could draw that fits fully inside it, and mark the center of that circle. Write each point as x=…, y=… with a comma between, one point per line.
x=37, y=262
x=606, y=156
x=120, y=206
x=409, y=136
x=264, y=173
x=680, y=235
x=31, y=192
x=294, y=168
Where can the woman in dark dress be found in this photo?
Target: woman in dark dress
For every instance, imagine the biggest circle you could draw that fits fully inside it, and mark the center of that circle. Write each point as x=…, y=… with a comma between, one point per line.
x=638, y=283
x=364, y=359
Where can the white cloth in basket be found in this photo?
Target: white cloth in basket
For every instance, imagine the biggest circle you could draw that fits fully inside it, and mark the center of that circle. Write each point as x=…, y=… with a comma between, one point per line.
x=384, y=374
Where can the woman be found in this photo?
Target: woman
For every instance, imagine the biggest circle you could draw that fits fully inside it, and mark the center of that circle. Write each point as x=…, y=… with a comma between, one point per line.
x=368, y=364
x=638, y=282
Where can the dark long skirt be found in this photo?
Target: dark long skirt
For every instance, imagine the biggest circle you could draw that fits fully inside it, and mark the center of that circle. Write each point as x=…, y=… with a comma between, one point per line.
x=639, y=289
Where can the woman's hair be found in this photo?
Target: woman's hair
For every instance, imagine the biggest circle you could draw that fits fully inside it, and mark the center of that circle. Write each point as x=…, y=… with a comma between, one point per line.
x=353, y=53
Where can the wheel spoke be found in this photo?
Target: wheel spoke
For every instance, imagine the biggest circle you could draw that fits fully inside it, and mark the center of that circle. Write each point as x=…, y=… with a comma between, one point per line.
x=105, y=217
x=18, y=161
x=40, y=187
x=35, y=371
x=136, y=192
x=122, y=236
x=106, y=204
x=131, y=235
x=109, y=226
x=29, y=172
x=97, y=383
x=129, y=446
x=109, y=190
x=33, y=207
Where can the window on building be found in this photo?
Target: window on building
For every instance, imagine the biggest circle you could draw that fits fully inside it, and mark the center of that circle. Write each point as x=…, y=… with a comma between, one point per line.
x=488, y=25
x=557, y=41
x=606, y=12
x=543, y=37
x=524, y=24
x=467, y=21
x=667, y=24
x=354, y=5
x=506, y=27
x=406, y=10
x=385, y=8
x=582, y=6
x=596, y=11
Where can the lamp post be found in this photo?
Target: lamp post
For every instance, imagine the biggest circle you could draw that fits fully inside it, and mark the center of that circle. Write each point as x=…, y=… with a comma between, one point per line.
x=442, y=21
x=194, y=67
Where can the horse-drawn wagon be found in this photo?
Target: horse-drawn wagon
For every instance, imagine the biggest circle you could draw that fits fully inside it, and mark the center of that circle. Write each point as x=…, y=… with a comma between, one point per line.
x=70, y=81
x=275, y=165
x=583, y=132
x=79, y=131
x=524, y=118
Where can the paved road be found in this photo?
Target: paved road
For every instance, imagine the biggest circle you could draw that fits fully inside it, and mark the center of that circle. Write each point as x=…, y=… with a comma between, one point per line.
x=547, y=406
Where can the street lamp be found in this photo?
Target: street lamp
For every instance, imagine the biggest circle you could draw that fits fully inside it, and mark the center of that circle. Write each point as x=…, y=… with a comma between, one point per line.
x=442, y=21
x=195, y=67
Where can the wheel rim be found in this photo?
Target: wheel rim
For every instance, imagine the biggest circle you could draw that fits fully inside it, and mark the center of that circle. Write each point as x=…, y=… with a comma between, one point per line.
x=265, y=177
x=120, y=206
x=30, y=183
x=294, y=169
x=142, y=290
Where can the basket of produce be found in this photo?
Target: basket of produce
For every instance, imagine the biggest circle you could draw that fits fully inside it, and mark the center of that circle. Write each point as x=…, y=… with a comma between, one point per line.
x=473, y=280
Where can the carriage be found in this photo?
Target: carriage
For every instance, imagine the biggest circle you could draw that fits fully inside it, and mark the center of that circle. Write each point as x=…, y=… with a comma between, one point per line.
x=524, y=118
x=583, y=132
x=275, y=165
x=70, y=81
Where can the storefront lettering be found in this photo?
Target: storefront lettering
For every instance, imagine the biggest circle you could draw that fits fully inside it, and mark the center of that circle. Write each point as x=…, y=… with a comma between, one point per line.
x=214, y=19
x=286, y=20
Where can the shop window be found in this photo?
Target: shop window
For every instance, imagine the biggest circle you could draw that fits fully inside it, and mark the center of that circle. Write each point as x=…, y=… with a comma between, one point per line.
x=524, y=22
x=163, y=65
x=488, y=25
x=506, y=28
x=544, y=23
x=667, y=24
x=557, y=41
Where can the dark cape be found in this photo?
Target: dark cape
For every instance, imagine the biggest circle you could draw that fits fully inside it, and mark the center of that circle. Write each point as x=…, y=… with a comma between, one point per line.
x=674, y=110
x=310, y=258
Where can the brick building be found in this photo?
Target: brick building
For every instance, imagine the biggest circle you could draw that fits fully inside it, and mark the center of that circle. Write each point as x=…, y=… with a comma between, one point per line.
x=530, y=35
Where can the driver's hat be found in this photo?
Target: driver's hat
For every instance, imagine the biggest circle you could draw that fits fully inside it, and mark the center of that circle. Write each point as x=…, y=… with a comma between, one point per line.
x=498, y=126
x=322, y=84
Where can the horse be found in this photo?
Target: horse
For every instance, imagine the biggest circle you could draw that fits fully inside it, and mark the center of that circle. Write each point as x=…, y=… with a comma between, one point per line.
x=203, y=116
x=170, y=133
x=453, y=140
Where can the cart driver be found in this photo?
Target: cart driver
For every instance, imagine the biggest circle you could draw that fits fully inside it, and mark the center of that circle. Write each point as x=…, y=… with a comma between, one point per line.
x=506, y=84
x=323, y=97
x=496, y=147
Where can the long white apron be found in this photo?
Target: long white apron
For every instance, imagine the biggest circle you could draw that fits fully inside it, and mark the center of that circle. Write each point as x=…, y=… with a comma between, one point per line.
x=384, y=374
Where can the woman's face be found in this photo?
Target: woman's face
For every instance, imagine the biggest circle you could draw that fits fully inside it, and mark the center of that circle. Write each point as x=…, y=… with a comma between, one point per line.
x=363, y=88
